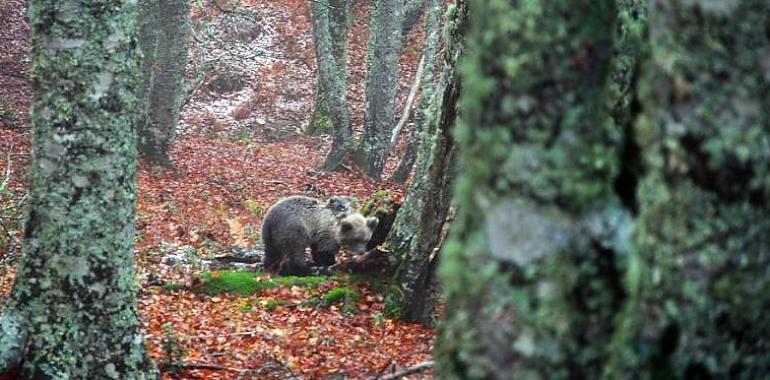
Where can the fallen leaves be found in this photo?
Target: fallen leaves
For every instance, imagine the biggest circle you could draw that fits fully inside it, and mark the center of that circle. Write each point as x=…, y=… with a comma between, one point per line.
x=308, y=340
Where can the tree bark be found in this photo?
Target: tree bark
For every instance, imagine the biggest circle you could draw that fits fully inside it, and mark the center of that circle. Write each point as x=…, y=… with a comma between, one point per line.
x=330, y=35
x=169, y=37
x=332, y=30
x=531, y=272
x=699, y=284
x=432, y=21
x=412, y=11
x=74, y=295
x=420, y=222
x=147, y=25
x=381, y=84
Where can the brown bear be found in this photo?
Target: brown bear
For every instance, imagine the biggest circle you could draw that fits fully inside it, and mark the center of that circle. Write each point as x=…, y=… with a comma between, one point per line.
x=296, y=223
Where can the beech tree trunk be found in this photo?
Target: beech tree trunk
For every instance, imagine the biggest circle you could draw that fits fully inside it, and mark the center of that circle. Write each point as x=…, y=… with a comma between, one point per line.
x=413, y=9
x=531, y=271
x=335, y=23
x=432, y=21
x=330, y=36
x=381, y=84
x=165, y=41
x=699, y=285
x=72, y=312
x=419, y=224
x=602, y=235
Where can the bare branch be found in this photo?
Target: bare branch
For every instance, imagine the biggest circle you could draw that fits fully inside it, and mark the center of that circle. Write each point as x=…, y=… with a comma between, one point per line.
x=164, y=367
x=408, y=370
x=409, y=102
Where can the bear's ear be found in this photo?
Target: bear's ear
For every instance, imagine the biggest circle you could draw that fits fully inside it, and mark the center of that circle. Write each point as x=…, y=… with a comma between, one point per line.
x=372, y=222
x=338, y=205
x=346, y=226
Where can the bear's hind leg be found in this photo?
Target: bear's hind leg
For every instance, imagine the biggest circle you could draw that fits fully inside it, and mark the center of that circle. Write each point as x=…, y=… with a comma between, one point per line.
x=293, y=255
x=272, y=259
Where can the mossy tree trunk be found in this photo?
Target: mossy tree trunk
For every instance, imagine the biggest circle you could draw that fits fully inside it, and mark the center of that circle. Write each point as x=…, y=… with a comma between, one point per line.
x=331, y=30
x=532, y=271
x=701, y=289
x=432, y=20
x=74, y=296
x=419, y=225
x=331, y=106
x=381, y=84
x=413, y=9
x=589, y=246
x=165, y=36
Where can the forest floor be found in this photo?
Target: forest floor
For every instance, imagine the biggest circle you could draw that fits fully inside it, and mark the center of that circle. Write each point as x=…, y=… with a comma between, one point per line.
x=236, y=153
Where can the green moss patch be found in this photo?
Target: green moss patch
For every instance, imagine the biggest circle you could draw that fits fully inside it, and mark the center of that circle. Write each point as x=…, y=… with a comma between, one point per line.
x=271, y=304
x=247, y=283
x=340, y=294
x=321, y=124
x=233, y=282
x=172, y=287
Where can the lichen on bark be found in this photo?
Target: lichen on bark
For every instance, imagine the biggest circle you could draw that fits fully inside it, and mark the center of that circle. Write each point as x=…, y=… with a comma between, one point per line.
x=420, y=223
x=703, y=234
x=381, y=84
x=75, y=286
x=331, y=31
x=330, y=36
x=165, y=42
x=531, y=271
x=419, y=119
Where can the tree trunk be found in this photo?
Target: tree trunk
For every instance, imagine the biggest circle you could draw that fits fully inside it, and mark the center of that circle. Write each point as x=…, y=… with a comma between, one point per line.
x=699, y=285
x=381, y=84
x=74, y=295
x=419, y=224
x=147, y=22
x=330, y=35
x=331, y=30
x=531, y=270
x=432, y=21
x=165, y=93
x=412, y=11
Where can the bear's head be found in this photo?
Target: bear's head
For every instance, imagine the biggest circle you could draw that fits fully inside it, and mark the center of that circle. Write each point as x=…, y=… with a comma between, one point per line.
x=354, y=231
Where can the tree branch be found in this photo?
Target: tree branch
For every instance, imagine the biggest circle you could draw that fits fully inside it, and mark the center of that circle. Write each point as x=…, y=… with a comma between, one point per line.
x=164, y=367
x=409, y=103
x=408, y=370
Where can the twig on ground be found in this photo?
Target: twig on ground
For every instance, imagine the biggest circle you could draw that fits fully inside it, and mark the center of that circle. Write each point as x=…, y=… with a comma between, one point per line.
x=408, y=370
x=216, y=367
x=7, y=179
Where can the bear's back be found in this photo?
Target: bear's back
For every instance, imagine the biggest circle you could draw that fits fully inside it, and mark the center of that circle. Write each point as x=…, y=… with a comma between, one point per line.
x=305, y=211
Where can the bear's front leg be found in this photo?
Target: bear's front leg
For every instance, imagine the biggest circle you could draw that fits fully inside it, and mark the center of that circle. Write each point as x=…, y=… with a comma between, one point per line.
x=294, y=266
x=324, y=253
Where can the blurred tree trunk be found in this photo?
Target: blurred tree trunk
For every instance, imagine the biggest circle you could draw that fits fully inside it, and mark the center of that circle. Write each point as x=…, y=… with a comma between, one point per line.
x=381, y=84
x=419, y=225
x=700, y=285
x=331, y=107
x=72, y=312
x=543, y=274
x=532, y=271
x=432, y=21
x=164, y=38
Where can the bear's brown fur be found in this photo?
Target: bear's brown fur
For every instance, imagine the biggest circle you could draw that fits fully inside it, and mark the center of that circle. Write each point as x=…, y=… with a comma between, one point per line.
x=296, y=223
